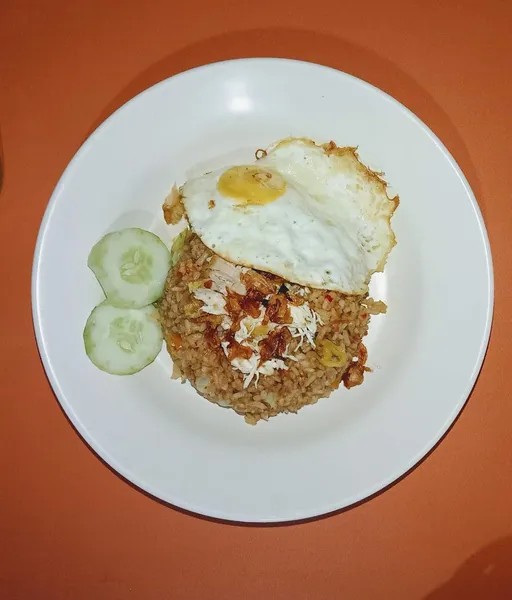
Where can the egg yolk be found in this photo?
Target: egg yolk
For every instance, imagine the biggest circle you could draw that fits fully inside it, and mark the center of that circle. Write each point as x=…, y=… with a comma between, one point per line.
x=251, y=185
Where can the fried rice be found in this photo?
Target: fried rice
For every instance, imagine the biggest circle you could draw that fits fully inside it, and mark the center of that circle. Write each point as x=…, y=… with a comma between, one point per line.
x=308, y=368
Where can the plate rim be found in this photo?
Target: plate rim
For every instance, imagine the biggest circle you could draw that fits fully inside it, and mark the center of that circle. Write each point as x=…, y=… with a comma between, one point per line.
x=320, y=511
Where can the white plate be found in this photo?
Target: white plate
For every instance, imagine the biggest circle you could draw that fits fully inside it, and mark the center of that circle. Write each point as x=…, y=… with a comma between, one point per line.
x=426, y=352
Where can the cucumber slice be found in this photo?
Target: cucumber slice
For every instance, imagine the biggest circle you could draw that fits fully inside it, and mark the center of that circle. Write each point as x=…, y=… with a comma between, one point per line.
x=131, y=266
x=122, y=341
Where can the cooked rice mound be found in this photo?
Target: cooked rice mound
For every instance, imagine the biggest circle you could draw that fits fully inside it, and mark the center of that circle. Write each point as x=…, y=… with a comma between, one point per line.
x=314, y=366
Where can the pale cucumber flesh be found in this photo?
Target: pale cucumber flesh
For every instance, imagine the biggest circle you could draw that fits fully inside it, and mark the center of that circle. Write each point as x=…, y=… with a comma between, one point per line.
x=131, y=266
x=122, y=341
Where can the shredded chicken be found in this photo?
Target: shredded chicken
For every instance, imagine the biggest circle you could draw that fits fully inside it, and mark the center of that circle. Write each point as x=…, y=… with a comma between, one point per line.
x=225, y=274
x=248, y=326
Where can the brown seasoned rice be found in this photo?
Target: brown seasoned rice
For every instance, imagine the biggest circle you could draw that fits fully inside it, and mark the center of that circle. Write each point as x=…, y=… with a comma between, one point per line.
x=345, y=323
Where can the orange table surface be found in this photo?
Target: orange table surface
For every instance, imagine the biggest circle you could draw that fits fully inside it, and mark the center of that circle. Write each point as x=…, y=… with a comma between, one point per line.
x=71, y=528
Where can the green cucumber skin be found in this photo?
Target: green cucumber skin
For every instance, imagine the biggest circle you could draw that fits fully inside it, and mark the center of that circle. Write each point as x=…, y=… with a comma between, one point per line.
x=91, y=346
x=97, y=257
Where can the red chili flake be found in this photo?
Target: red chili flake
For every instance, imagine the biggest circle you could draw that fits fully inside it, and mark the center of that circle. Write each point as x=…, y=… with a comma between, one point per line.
x=364, y=315
x=208, y=283
x=328, y=297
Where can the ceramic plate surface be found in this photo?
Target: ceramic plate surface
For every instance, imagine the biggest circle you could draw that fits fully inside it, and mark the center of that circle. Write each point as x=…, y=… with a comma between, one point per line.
x=426, y=352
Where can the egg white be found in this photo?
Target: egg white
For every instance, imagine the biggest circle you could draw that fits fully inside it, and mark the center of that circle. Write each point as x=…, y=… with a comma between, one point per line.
x=330, y=229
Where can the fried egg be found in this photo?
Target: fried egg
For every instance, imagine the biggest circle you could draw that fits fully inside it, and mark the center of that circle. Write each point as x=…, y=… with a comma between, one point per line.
x=314, y=215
